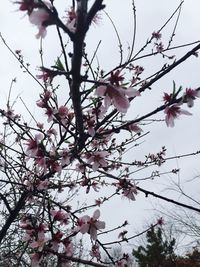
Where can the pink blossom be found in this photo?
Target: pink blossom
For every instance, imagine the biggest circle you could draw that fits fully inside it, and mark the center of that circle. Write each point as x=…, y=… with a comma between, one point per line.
x=95, y=186
x=44, y=98
x=63, y=112
x=50, y=114
x=41, y=238
x=36, y=258
x=52, y=131
x=104, y=142
x=33, y=145
x=190, y=95
x=80, y=167
x=39, y=243
x=55, y=166
x=40, y=125
x=56, y=240
x=60, y=216
x=160, y=221
x=65, y=160
x=71, y=19
x=39, y=17
x=40, y=103
x=41, y=165
x=135, y=128
x=98, y=159
x=172, y=113
x=95, y=252
x=98, y=111
x=90, y=225
x=156, y=35
x=130, y=192
x=159, y=47
x=10, y=115
x=71, y=14
x=27, y=5
x=69, y=248
x=91, y=124
x=167, y=98
x=124, y=263
x=91, y=131
x=128, y=189
x=117, y=96
x=29, y=230
x=47, y=75
x=116, y=78
x=43, y=185
x=138, y=70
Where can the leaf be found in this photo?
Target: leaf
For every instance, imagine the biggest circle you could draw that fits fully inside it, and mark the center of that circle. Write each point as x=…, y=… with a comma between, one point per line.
x=174, y=88
x=179, y=90
x=174, y=94
x=58, y=65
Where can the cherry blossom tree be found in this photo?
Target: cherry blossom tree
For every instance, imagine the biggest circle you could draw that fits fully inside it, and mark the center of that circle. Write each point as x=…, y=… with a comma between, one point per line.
x=79, y=146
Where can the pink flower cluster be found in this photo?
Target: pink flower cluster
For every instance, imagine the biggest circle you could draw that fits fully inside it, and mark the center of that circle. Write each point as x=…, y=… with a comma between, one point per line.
x=114, y=93
x=60, y=216
x=40, y=238
x=128, y=189
x=97, y=159
x=46, y=160
x=124, y=262
x=174, y=111
x=90, y=225
x=38, y=14
x=60, y=114
x=35, y=234
x=72, y=19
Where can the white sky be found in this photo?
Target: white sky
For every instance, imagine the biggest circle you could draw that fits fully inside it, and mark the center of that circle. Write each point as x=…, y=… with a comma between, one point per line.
x=151, y=14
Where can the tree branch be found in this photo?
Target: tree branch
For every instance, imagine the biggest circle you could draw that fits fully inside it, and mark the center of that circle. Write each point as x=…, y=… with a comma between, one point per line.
x=171, y=67
x=13, y=215
x=146, y=192
x=76, y=70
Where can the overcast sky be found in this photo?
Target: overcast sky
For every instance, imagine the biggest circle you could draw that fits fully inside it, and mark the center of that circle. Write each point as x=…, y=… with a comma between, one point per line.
x=151, y=14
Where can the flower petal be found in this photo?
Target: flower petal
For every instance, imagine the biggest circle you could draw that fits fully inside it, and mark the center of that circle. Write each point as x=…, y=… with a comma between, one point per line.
x=101, y=90
x=131, y=92
x=96, y=214
x=121, y=103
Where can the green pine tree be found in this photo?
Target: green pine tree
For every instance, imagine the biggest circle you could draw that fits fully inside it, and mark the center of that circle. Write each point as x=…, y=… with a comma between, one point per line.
x=158, y=252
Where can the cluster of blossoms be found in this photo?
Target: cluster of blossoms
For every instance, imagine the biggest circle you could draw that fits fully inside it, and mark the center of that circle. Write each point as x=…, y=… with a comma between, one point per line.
x=128, y=189
x=125, y=261
x=72, y=19
x=90, y=225
x=174, y=111
x=39, y=14
x=44, y=242
x=47, y=75
x=44, y=161
x=158, y=44
x=60, y=114
x=115, y=93
x=46, y=157
x=98, y=159
x=93, y=115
